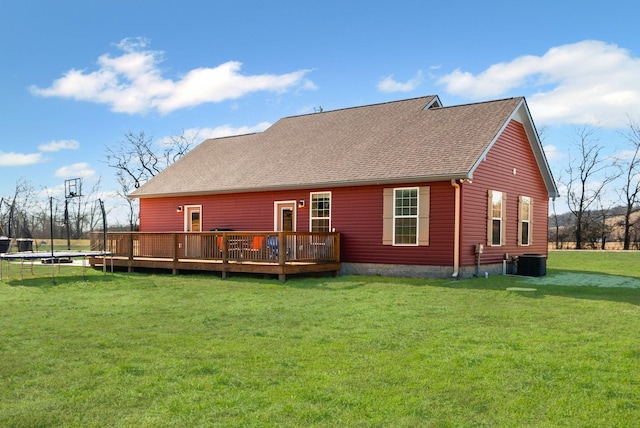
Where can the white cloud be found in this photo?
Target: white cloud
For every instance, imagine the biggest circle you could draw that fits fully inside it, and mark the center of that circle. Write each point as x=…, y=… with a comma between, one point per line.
x=20, y=159
x=227, y=130
x=54, y=146
x=552, y=153
x=133, y=82
x=389, y=84
x=79, y=170
x=590, y=82
x=198, y=135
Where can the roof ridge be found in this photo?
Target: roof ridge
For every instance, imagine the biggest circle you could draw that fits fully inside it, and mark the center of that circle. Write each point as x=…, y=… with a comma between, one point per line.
x=359, y=107
x=232, y=136
x=478, y=103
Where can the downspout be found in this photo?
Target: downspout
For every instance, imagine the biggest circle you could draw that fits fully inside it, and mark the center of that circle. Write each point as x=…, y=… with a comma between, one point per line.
x=456, y=230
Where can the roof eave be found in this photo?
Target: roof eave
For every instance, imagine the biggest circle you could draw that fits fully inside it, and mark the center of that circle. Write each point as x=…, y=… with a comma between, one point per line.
x=348, y=183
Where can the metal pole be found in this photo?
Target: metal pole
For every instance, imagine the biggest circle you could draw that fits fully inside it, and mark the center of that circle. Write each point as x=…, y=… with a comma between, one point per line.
x=104, y=237
x=66, y=222
x=53, y=272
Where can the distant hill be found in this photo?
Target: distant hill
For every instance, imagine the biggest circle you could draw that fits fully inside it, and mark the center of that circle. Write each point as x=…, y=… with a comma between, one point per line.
x=612, y=234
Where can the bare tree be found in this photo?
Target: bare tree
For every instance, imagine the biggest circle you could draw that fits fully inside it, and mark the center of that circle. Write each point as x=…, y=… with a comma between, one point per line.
x=82, y=211
x=138, y=158
x=588, y=176
x=125, y=189
x=630, y=170
x=18, y=207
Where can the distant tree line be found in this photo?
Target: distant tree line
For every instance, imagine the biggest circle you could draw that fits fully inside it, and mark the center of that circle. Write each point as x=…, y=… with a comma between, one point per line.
x=31, y=213
x=602, y=193
x=601, y=229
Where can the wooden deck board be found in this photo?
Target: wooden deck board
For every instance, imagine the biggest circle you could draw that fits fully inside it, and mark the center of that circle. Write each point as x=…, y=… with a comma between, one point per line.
x=274, y=268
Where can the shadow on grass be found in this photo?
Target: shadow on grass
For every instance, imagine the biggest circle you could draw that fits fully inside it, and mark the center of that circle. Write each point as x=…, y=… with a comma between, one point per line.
x=560, y=283
x=41, y=281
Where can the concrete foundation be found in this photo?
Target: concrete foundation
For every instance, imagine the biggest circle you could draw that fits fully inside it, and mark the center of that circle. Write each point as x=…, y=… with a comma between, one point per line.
x=418, y=271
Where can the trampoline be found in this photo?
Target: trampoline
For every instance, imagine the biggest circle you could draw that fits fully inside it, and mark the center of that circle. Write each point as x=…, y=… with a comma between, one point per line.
x=55, y=257
x=52, y=257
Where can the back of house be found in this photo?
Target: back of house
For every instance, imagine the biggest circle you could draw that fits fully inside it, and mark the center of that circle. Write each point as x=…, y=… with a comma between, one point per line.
x=414, y=188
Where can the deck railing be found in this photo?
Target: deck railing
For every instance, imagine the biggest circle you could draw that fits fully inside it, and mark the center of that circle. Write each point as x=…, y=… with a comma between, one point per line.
x=258, y=247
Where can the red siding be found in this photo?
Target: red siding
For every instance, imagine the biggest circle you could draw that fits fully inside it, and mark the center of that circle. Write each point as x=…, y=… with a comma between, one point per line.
x=246, y=211
x=356, y=213
x=511, y=150
x=358, y=216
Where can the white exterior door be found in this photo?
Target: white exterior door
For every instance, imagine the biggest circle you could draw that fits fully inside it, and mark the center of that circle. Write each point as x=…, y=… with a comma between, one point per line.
x=192, y=223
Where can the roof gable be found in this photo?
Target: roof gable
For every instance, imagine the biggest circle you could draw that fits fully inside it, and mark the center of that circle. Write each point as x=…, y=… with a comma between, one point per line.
x=401, y=141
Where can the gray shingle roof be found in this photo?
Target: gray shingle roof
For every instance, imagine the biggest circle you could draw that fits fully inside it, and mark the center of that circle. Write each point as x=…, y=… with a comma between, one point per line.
x=383, y=143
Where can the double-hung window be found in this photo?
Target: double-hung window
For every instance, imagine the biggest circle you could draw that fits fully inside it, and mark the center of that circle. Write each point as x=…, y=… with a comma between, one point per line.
x=496, y=218
x=320, y=212
x=525, y=220
x=405, y=216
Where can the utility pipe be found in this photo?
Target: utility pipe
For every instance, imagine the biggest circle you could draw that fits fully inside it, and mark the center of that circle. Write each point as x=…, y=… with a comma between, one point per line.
x=456, y=229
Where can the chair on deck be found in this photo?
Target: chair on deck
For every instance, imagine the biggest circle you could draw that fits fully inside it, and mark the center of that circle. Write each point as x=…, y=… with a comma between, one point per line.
x=255, y=249
x=219, y=243
x=272, y=245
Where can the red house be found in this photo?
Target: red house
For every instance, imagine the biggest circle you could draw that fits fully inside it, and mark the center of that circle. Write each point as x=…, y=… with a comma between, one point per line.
x=414, y=188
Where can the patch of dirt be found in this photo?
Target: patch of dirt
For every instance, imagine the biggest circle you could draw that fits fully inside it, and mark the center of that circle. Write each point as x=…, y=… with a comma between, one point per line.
x=587, y=279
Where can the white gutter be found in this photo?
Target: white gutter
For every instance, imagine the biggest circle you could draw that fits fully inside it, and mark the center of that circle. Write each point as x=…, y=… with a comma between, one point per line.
x=456, y=230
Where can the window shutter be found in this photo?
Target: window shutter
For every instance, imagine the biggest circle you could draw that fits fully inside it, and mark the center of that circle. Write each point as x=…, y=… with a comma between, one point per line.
x=503, y=225
x=520, y=217
x=423, y=215
x=489, y=217
x=387, y=217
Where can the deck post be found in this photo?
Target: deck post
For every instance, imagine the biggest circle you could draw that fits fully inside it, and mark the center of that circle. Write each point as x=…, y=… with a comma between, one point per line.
x=282, y=255
x=282, y=249
x=130, y=255
x=225, y=255
x=175, y=253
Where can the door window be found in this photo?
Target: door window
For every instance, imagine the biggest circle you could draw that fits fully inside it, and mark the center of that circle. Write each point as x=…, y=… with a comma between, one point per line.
x=192, y=221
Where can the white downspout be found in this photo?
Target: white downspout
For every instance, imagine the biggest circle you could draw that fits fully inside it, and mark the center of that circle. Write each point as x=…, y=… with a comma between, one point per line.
x=456, y=230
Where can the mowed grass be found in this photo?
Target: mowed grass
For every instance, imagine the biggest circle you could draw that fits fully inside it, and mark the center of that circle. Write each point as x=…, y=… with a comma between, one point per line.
x=194, y=350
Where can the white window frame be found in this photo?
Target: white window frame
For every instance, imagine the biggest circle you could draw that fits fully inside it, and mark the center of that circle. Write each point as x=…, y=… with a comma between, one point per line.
x=416, y=216
x=523, y=220
x=311, y=217
x=497, y=197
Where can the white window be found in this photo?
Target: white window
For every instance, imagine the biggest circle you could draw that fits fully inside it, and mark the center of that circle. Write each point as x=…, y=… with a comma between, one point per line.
x=405, y=216
x=496, y=218
x=320, y=212
x=524, y=225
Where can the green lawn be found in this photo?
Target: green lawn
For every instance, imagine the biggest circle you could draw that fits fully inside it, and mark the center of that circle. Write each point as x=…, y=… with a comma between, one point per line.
x=159, y=350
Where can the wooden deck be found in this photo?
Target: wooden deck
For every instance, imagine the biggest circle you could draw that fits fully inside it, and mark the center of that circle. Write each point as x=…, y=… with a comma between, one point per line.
x=269, y=253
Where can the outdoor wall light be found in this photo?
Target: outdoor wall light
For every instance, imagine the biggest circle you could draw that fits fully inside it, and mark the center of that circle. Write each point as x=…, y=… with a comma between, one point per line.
x=179, y=210
x=301, y=203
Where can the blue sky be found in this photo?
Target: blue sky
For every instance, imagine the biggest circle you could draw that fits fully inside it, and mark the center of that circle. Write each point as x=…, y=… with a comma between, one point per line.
x=77, y=75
